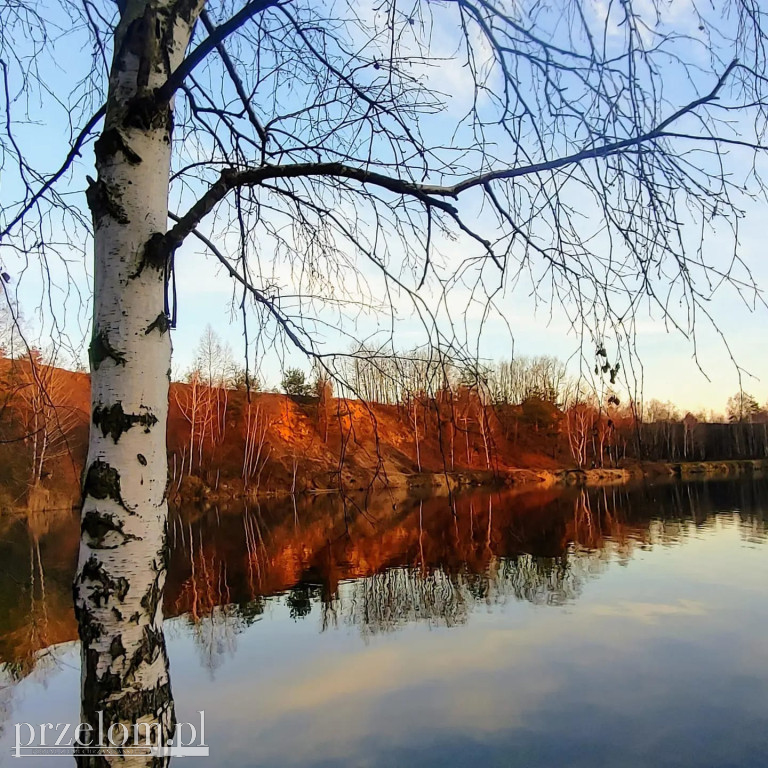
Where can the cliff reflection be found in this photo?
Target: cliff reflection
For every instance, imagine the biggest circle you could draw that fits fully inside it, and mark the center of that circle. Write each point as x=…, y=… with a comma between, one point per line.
x=38, y=553
x=382, y=566
x=374, y=566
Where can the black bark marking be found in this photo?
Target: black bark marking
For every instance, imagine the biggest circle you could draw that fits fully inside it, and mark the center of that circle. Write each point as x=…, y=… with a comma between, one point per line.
x=110, y=143
x=155, y=255
x=142, y=459
x=154, y=594
x=166, y=48
x=142, y=40
x=114, y=421
x=89, y=628
x=185, y=9
x=161, y=322
x=107, y=694
x=104, y=201
x=117, y=613
x=128, y=42
x=116, y=647
x=101, y=349
x=150, y=646
x=135, y=617
x=156, y=252
x=99, y=524
x=103, y=482
x=109, y=689
x=145, y=112
x=91, y=631
x=103, y=586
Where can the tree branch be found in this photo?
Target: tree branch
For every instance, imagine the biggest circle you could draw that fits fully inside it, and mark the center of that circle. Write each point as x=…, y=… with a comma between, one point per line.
x=213, y=41
x=429, y=194
x=284, y=322
x=71, y=155
x=236, y=81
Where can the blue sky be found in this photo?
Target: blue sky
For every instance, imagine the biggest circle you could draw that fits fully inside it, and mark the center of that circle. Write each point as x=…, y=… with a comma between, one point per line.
x=205, y=295
x=669, y=369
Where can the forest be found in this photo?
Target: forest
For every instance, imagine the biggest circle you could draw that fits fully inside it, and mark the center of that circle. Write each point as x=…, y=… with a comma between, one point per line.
x=398, y=415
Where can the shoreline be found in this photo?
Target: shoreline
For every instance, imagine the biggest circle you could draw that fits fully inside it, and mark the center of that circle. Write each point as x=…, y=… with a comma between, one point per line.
x=519, y=479
x=444, y=483
x=545, y=478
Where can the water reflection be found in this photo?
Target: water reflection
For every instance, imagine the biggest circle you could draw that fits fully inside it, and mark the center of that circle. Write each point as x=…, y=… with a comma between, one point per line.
x=392, y=564
x=423, y=560
x=377, y=567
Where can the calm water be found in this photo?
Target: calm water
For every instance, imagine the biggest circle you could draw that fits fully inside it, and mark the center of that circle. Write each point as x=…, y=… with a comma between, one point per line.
x=610, y=629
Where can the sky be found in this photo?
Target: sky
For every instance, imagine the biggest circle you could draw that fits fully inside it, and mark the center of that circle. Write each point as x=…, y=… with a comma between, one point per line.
x=696, y=376
x=669, y=368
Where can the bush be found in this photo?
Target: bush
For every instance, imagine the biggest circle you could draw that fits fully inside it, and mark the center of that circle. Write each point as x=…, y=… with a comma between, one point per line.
x=294, y=383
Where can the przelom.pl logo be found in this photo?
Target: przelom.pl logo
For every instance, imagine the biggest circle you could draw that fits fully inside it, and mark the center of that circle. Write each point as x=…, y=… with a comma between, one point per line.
x=66, y=740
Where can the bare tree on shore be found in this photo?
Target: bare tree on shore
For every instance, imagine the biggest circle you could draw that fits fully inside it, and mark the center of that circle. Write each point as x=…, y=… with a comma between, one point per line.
x=47, y=419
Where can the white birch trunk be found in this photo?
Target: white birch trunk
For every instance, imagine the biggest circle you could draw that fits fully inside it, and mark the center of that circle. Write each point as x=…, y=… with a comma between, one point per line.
x=121, y=570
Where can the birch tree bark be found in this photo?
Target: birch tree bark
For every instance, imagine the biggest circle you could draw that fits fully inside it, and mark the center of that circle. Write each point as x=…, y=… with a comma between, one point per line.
x=118, y=590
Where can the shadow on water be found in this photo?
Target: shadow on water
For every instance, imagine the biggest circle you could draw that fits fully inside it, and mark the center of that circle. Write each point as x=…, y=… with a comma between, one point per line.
x=375, y=567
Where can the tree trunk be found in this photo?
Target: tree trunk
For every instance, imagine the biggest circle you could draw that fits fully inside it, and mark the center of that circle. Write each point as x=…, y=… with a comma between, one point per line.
x=121, y=569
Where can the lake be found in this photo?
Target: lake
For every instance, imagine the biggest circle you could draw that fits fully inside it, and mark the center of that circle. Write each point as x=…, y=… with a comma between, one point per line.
x=619, y=627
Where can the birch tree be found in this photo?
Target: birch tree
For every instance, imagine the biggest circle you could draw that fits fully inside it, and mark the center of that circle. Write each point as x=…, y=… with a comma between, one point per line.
x=47, y=420
x=345, y=160
x=6, y=328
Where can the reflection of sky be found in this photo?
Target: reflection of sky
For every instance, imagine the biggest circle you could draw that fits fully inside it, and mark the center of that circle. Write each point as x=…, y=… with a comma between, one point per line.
x=661, y=661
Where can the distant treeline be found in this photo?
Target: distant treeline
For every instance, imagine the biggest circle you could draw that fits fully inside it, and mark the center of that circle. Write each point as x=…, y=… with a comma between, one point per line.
x=536, y=401
x=403, y=412
x=677, y=441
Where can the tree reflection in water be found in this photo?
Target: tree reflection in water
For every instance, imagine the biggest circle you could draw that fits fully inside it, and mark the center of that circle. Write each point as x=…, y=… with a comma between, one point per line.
x=399, y=562
x=386, y=601
x=421, y=560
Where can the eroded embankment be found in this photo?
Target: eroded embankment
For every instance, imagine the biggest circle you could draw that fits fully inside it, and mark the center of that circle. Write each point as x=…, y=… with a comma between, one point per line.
x=544, y=478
